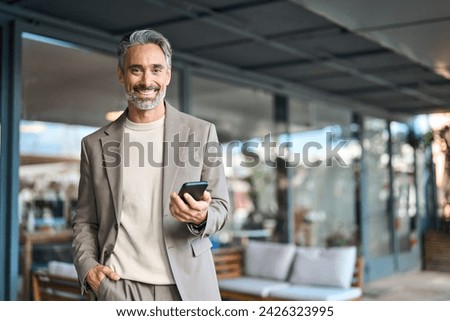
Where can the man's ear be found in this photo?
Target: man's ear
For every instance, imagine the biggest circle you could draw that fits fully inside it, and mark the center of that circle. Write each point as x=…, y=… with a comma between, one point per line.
x=120, y=75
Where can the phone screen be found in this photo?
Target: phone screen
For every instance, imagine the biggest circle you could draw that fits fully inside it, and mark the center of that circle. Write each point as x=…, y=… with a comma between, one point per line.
x=195, y=189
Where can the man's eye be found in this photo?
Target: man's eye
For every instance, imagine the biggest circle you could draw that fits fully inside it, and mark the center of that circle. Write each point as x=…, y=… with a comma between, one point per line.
x=135, y=70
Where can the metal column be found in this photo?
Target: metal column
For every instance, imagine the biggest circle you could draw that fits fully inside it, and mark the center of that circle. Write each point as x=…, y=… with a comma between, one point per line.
x=9, y=161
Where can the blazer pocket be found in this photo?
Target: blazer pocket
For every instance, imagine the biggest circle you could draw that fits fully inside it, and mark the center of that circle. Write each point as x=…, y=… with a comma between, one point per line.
x=100, y=291
x=200, y=245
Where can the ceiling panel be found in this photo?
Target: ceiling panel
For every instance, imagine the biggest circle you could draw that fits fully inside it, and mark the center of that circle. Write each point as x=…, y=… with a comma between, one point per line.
x=294, y=71
x=338, y=83
x=437, y=88
x=380, y=13
x=379, y=60
x=427, y=44
x=244, y=55
x=416, y=29
x=215, y=4
x=189, y=34
x=405, y=75
x=335, y=42
x=394, y=101
x=277, y=17
x=107, y=15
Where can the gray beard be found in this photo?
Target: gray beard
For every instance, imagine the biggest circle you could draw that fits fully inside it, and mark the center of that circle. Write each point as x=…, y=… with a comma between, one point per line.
x=146, y=103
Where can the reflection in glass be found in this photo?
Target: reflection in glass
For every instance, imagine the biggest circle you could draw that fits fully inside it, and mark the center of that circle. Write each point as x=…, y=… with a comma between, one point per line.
x=404, y=188
x=324, y=188
x=376, y=161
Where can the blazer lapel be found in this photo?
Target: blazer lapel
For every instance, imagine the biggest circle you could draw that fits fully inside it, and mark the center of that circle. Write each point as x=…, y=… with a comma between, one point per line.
x=174, y=130
x=112, y=144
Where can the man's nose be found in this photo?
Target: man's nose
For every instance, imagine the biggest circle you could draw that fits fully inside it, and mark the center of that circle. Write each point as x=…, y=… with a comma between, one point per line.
x=147, y=79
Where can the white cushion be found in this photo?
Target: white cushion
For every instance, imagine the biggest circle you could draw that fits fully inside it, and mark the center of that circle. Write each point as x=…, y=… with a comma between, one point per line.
x=249, y=285
x=324, y=266
x=62, y=269
x=268, y=260
x=315, y=293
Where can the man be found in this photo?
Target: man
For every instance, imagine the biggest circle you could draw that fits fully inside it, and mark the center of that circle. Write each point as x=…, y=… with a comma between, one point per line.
x=134, y=238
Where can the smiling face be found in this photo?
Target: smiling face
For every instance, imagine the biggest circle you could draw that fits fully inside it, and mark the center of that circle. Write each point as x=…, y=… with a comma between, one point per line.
x=145, y=76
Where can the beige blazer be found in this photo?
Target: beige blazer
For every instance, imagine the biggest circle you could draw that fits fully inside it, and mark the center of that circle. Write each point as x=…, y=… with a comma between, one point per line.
x=99, y=205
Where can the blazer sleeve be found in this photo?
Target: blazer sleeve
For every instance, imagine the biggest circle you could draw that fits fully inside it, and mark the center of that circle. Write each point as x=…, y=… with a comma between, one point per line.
x=213, y=172
x=85, y=223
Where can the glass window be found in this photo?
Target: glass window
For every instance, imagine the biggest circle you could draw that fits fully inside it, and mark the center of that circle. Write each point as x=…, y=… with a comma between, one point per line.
x=376, y=161
x=67, y=93
x=323, y=181
x=421, y=128
x=239, y=113
x=65, y=83
x=242, y=116
x=405, y=196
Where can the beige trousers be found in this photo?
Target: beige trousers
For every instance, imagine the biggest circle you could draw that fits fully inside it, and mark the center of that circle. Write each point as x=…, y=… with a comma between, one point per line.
x=126, y=290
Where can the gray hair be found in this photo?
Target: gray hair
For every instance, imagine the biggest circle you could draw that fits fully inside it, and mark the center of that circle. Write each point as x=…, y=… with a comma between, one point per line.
x=144, y=37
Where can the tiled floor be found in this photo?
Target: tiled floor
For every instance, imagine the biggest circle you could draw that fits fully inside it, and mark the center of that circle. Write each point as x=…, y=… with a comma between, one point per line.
x=410, y=286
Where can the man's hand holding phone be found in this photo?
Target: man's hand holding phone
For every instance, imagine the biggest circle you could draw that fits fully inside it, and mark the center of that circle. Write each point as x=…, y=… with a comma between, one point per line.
x=191, y=210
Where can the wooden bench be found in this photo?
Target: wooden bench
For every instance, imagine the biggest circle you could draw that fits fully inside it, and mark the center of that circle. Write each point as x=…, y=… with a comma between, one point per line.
x=50, y=287
x=229, y=263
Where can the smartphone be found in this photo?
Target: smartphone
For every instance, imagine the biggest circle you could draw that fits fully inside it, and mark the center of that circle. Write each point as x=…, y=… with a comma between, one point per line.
x=195, y=189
